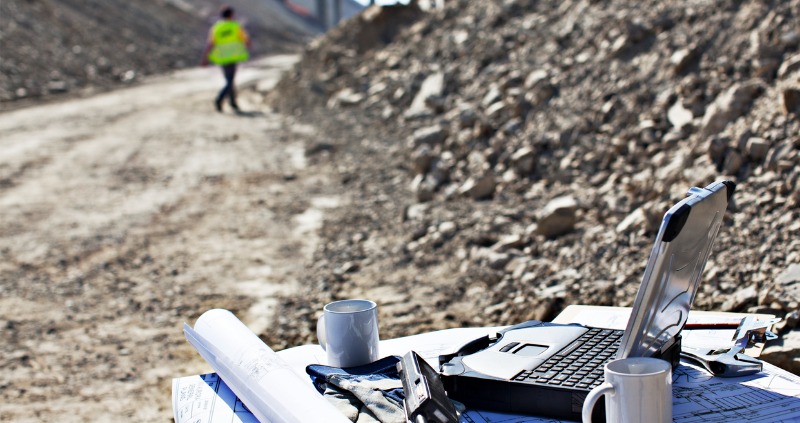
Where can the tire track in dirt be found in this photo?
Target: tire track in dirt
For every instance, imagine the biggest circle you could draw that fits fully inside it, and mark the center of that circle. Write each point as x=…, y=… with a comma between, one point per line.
x=131, y=212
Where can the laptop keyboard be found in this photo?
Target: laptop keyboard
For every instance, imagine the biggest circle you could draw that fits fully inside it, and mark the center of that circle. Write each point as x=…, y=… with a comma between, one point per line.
x=580, y=364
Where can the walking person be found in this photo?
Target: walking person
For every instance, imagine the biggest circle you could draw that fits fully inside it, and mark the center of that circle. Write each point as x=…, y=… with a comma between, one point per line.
x=228, y=45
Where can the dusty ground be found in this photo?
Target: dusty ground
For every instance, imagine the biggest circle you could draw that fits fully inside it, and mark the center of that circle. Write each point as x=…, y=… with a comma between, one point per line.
x=127, y=214
x=51, y=49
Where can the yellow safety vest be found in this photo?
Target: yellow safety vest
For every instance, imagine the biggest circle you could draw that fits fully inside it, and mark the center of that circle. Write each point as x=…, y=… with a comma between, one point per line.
x=229, y=43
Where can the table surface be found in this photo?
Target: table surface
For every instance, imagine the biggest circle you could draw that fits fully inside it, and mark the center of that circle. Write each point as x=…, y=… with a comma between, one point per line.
x=770, y=396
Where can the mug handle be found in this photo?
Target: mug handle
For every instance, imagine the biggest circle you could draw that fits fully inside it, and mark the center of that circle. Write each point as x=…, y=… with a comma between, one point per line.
x=591, y=399
x=321, y=335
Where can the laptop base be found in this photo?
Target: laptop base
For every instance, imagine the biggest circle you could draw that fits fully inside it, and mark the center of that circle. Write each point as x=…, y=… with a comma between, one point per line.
x=480, y=391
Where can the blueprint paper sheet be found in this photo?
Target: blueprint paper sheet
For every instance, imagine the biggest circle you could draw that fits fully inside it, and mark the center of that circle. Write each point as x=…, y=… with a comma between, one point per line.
x=770, y=396
x=206, y=399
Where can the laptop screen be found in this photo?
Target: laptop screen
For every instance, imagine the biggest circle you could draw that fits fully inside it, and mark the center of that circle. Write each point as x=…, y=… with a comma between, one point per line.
x=673, y=271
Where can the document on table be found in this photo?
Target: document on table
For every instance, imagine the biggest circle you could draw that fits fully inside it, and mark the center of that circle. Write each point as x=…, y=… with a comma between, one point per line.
x=617, y=318
x=770, y=396
x=263, y=381
x=207, y=399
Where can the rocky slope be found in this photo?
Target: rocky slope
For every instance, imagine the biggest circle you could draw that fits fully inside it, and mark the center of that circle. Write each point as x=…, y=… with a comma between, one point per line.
x=503, y=158
x=507, y=158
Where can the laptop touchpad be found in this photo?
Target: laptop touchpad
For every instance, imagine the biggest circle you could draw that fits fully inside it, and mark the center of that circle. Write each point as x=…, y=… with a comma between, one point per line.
x=531, y=350
x=522, y=349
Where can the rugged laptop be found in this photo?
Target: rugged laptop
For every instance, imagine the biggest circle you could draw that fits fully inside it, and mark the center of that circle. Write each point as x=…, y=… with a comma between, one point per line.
x=547, y=369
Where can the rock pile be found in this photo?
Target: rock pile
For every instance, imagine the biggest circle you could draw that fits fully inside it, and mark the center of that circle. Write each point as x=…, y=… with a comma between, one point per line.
x=532, y=147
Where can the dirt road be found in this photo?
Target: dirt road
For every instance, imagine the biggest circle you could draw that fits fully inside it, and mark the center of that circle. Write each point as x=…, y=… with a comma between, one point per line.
x=126, y=214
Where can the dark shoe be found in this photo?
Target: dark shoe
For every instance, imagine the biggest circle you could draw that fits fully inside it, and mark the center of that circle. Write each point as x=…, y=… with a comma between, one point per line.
x=218, y=105
x=235, y=107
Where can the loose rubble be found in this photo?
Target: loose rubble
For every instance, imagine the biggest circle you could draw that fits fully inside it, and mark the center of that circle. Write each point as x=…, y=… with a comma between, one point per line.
x=548, y=138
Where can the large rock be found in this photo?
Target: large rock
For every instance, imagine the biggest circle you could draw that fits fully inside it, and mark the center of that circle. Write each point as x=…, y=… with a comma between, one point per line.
x=729, y=106
x=788, y=284
x=789, y=277
x=784, y=352
x=741, y=299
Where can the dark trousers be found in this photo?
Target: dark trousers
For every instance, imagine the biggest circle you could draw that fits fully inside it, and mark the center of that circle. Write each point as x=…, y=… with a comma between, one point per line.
x=230, y=72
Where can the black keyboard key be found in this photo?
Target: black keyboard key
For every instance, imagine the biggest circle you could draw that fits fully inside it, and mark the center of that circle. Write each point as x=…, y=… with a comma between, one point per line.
x=581, y=363
x=561, y=376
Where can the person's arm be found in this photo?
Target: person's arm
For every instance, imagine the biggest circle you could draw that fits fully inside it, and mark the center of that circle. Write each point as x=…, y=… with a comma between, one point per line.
x=245, y=37
x=207, y=50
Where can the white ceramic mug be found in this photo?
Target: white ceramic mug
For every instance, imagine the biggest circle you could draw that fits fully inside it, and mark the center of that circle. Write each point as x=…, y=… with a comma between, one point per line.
x=348, y=332
x=637, y=389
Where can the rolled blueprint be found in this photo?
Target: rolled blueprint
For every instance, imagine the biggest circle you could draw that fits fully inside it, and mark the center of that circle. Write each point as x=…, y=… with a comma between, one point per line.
x=262, y=380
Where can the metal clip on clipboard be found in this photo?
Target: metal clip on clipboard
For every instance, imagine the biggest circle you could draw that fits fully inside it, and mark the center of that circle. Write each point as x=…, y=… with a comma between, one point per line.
x=733, y=362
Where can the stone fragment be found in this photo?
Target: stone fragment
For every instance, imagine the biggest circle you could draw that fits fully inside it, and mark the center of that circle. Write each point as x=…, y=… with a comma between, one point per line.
x=498, y=260
x=448, y=229
x=790, y=101
x=496, y=110
x=509, y=242
x=635, y=221
x=558, y=217
x=430, y=135
x=733, y=163
x=421, y=159
x=479, y=188
x=535, y=78
x=345, y=98
x=778, y=154
x=679, y=116
x=554, y=292
x=682, y=58
x=717, y=147
x=491, y=97
x=416, y=212
x=424, y=188
x=790, y=39
x=539, y=87
x=789, y=66
x=431, y=89
x=757, y=148
x=523, y=160
x=792, y=319
x=467, y=117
